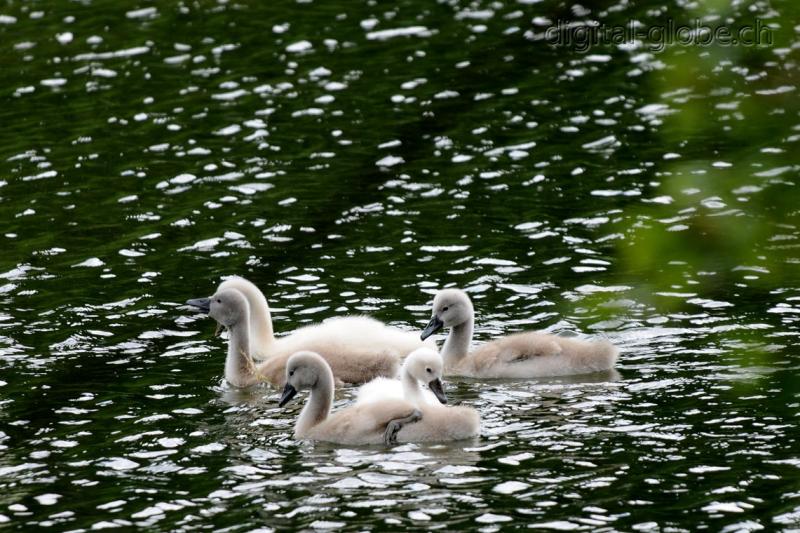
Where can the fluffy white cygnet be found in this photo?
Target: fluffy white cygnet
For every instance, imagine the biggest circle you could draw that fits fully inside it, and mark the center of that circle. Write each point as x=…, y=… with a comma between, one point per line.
x=423, y=365
x=358, y=349
x=380, y=421
x=521, y=355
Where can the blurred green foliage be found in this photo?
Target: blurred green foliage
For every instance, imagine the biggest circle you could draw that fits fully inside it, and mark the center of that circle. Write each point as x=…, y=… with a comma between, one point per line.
x=724, y=212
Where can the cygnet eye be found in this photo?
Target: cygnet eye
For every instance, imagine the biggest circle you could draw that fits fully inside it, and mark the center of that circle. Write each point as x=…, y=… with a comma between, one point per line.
x=291, y=372
x=446, y=308
x=428, y=370
x=219, y=301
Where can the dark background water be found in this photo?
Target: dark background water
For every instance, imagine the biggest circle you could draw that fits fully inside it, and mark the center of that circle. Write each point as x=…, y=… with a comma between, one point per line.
x=147, y=150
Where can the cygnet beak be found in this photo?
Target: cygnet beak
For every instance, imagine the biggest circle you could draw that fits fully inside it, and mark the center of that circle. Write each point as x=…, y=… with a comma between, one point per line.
x=288, y=394
x=202, y=304
x=433, y=326
x=438, y=390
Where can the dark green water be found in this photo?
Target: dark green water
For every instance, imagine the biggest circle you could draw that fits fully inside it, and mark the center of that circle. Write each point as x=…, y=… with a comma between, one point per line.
x=147, y=150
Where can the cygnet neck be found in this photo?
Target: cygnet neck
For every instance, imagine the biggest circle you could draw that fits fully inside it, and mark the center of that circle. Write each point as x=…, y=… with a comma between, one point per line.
x=238, y=364
x=319, y=403
x=261, y=320
x=411, y=390
x=457, y=344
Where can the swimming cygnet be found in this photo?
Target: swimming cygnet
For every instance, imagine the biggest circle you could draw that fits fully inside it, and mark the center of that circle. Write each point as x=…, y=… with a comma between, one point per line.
x=422, y=365
x=358, y=349
x=361, y=333
x=386, y=420
x=521, y=355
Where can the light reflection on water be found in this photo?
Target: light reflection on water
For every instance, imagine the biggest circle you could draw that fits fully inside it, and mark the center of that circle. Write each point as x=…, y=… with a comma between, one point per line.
x=545, y=447
x=347, y=168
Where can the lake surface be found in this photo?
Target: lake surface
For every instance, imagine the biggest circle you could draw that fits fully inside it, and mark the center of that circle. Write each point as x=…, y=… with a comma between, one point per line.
x=354, y=158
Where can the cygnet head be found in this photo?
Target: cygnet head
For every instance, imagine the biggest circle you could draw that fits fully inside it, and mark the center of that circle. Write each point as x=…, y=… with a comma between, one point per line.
x=451, y=307
x=239, y=283
x=425, y=365
x=228, y=307
x=248, y=289
x=303, y=371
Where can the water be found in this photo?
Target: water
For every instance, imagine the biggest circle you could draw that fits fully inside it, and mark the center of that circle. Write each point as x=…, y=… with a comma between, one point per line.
x=645, y=196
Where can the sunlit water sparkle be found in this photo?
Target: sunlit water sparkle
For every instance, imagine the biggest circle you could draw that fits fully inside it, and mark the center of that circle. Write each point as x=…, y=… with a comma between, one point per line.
x=354, y=161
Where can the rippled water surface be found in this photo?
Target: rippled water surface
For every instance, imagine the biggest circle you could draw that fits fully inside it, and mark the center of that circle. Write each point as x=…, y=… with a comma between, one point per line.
x=354, y=158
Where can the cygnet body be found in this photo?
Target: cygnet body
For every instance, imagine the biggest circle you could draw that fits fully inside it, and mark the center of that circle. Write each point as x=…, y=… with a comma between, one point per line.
x=424, y=365
x=381, y=421
x=521, y=355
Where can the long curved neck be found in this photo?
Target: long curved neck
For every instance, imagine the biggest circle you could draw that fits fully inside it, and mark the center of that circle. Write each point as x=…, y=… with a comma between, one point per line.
x=261, y=322
x=457, y=344
x=318, y=405
x=238, y=365
x=411, y=390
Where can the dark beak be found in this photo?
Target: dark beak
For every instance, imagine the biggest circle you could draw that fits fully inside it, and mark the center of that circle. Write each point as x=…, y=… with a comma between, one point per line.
x=288, y=394
x=438, y=390
x=203, y=304
x=433, y=326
